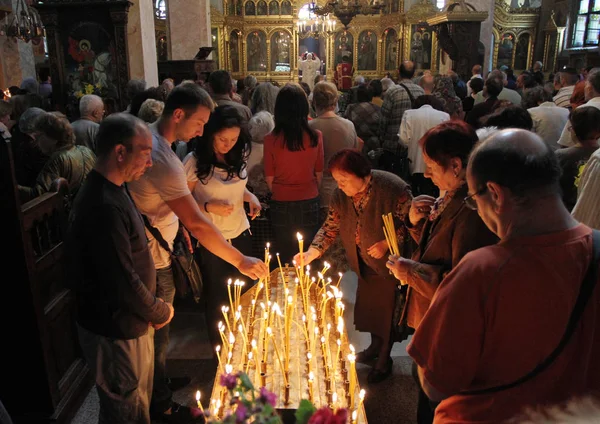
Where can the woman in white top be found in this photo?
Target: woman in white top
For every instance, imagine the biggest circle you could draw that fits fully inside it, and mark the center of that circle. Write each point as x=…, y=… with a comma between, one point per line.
x=217, y=177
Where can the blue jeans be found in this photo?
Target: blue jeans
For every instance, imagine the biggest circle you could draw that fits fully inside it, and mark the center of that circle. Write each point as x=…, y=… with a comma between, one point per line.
x=288, y=218
x=161, y=394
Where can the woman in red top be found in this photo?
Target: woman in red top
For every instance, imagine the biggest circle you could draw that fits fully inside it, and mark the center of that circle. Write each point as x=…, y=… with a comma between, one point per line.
x=293, y=171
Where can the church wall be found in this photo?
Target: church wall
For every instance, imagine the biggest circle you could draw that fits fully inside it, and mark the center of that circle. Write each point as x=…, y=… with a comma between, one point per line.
x=141, y=44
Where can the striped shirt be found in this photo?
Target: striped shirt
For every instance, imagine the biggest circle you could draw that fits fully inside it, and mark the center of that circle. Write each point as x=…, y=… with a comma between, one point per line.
x=563, y=97
x=587, y=209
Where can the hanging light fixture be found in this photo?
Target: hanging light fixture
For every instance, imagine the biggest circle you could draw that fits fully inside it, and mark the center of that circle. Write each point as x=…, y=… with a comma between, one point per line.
x=25, y=23
x=346, y=10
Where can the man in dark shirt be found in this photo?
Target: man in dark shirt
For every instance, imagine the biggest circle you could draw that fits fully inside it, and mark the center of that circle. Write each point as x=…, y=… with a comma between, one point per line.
x=113, y=275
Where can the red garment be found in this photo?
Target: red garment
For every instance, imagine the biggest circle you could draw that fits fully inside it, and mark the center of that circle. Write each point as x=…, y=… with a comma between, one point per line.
x=499, y=314
x=343, y=76
x=294, y=172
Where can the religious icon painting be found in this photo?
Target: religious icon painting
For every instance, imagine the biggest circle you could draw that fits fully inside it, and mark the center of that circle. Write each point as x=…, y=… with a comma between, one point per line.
x=286, y=7
x=280, y=51
x=367, y=51
x=250, y=9
x=274, y=8
x=88, y=60
x=522, y=52
x=391, y=49
x=344, y=46
x=421, y=45
x=505, y=50
x=261, y=8
x=234, y=51
x=256, y=53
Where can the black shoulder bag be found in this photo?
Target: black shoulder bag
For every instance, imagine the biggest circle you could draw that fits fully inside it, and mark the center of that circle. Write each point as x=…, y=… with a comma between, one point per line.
x=186, y=273
x=585, y=292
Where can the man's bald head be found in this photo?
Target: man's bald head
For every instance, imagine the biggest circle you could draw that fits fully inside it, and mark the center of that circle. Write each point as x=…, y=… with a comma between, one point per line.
x=407, y=69
x=518, y=160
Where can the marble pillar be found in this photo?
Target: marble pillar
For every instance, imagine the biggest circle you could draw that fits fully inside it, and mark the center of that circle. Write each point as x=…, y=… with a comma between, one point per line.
x=486, y=36
x=189, y=27
x=141, y=42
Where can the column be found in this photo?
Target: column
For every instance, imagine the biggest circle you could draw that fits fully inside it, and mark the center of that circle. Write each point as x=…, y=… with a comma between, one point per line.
x=141, y=42
x=486, y=31
x=189, y=27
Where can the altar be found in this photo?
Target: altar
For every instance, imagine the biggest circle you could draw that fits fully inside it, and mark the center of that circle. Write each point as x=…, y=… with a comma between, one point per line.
x=287, y=334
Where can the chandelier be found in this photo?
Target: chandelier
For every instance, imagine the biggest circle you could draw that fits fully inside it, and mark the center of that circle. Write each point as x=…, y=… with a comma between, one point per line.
x=25, y=23
x=314, y=26
x=346, y=10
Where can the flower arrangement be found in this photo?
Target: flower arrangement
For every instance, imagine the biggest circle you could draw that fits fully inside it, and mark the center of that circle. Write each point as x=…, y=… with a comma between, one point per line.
x=89, y=89
x=246, y=404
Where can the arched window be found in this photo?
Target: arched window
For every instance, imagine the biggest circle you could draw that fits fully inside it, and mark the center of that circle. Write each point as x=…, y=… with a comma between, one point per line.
x=586, y=26
x=160, y=9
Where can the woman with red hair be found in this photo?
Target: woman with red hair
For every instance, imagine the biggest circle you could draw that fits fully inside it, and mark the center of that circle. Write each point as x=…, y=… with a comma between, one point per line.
x=446, y=228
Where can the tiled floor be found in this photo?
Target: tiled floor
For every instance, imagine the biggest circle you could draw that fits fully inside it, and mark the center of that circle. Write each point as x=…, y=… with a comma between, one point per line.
x=393, y=401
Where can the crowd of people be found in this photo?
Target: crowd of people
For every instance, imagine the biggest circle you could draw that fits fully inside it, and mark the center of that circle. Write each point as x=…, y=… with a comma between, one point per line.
x=493, y=191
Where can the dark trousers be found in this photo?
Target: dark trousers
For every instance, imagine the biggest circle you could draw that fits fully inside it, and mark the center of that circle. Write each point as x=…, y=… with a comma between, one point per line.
x=421, y=185
x=161, y=394
x=289, y=218
x=215, y=273
x=425, y=406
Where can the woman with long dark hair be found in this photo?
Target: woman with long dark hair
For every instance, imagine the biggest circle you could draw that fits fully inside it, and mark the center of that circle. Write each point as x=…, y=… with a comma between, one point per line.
x=217, y=178
x=293, y=171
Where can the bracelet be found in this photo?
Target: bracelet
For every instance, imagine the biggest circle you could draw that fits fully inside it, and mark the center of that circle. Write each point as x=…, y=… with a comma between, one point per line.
x=205, y=207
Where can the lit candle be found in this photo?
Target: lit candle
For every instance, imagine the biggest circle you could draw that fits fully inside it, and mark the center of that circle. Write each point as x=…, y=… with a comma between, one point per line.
x=334, y=399
x=352, y=359
x=354, y=416
x=229, y=293
x=198, y=394
x=301, y=247
x=225, y=310
x=311, y=377
x=340, y=279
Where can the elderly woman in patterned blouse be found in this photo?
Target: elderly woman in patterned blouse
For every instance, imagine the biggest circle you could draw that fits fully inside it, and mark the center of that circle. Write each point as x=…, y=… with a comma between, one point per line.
x=362, y=197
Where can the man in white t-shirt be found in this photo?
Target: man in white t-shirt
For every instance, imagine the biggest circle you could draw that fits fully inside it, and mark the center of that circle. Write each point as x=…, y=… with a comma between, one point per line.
x=592, y=97
x=162, y=195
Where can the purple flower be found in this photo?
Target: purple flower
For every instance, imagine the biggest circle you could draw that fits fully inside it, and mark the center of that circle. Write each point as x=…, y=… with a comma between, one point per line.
x=268, y=397
x=229, y=381
x=241, y=413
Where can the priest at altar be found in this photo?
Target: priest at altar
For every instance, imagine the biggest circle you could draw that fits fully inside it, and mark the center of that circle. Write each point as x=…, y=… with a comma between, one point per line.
x=342, y=76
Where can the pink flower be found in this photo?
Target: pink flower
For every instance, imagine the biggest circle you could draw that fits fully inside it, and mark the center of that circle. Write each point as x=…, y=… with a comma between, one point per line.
x=241, y=413
x=325, y=416
x=229, y=381
x=268, y=397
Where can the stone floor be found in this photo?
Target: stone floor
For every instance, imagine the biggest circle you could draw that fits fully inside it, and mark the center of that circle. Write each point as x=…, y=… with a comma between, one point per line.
x=392, y=401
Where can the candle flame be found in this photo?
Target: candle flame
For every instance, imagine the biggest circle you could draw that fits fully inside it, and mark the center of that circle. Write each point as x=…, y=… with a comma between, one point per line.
x=249, y=356
x=311, y=376
x=354, y=415
x=253, y=343
x=229, y=282
x=269, y=331
x=269, y=245
x=299, y=236
x=309, y=356
x=228, y=368
x=352, y=349
x=218, y=348
x=361, y=395
x=339, y=342
x=334, y=397
x=198, y=396
x=290, y=300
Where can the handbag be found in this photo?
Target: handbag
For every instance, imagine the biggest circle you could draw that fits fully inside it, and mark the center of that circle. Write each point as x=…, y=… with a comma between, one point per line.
x=186, y=272
x=585, y=292
x=400, y=329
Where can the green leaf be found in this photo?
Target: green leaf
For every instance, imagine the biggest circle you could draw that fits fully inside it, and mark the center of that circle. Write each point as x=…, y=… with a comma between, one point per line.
x=245, y=381
x=305, y=410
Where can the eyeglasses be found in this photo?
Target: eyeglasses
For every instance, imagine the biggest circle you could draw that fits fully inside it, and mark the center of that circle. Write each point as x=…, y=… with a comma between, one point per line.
x=470, y=202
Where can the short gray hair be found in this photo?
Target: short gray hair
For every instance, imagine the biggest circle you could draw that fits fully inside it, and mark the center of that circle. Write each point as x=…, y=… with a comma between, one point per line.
x=250, y=82
x=260, y=125
x=532, y=97
x=89, y=103
x=264, y=97
x=27, y=121
x=359, y=79
x=30, y=85
x=386, y=84
x=151, y=110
